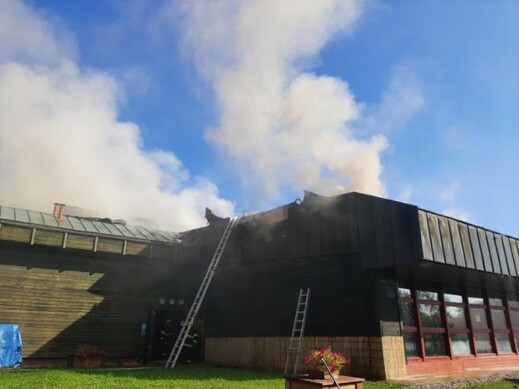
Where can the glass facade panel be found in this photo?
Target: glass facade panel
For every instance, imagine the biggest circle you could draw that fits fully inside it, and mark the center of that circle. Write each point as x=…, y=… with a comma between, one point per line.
x=477, y=322
x=478, y=317
x=495, y=301
x=460, y=344
x=453, y=298
x=456, y=317
x=426, y=295
x=404, y=292
x=407, y=314
x=514, y=317
x=430, y=315
x=513, y=303
x=483, y=343
x=475, y=296
x=476, y=300
x=498, y=319
x=503, y=343
x=411, y=344
x=434, y=345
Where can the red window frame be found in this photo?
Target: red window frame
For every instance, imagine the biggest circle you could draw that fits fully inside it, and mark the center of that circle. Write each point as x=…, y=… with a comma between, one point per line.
x=470, y=330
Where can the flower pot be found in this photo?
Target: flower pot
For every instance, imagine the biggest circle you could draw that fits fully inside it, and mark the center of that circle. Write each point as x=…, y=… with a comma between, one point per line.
x=88, y=362
x=321, y=375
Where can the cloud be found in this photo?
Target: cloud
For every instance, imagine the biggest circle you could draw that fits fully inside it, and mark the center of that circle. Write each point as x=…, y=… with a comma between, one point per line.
x=281, y=124
x=27, y=37
x=448, y=196
x=403, y=98
x=458, y=213
x=61, y=140
x=405, y=194
x=449, y=192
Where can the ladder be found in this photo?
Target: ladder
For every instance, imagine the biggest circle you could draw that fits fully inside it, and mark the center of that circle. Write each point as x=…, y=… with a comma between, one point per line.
x=294, y=348
x=197, y=302
x=330, y=372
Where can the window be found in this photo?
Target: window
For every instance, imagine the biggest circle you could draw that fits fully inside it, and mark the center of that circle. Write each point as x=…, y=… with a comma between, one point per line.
x=408, y=317
x=480, y=322
x=448, y=321
x=456, y=316
x=483, y=343
x=410, y=344
x=430, y=315
x=434, y=345
x=478, y=317
x=500, y=324
x=460, y=344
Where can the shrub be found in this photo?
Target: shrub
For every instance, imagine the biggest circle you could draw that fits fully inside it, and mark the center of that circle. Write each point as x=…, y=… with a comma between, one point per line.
x=86, y=350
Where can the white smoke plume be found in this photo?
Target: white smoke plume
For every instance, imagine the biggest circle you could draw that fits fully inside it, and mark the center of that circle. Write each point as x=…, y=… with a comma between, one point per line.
x=61, y=138
x=284, y=126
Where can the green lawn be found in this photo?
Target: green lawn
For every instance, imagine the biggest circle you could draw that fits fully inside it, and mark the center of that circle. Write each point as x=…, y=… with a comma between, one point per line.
x=504, y=384
x=195, y=377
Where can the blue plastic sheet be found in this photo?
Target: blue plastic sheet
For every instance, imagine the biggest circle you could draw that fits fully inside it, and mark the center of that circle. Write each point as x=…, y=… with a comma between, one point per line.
x=10, y=345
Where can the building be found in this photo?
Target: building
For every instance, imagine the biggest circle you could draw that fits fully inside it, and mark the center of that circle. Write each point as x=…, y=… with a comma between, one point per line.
x=69, y=281
x=400, y=290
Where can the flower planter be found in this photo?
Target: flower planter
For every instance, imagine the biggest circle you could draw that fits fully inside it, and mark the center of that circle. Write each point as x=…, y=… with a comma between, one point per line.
x=88, y=362
x=321, y=375
x=304, y=382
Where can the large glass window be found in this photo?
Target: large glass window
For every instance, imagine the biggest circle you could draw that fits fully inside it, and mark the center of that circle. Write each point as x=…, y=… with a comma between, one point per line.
x=456, y=316
x=483, y=343
x=498, y=319
x=434, y=344
x=452, y=298
x=430, y=315
x=442, y=320
x=411, y=344
x=504, y=345
x=407, y=312
x=460, y=344
x=478, y=316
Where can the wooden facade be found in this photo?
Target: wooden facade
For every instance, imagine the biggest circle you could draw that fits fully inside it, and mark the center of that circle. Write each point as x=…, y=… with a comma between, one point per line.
x=66, y=287
x=355, y=252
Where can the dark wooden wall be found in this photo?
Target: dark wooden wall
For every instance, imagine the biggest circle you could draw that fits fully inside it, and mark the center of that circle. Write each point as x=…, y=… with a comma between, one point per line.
x=259, y=298
x=384, y=233
x=344, y=248
x=64, y=298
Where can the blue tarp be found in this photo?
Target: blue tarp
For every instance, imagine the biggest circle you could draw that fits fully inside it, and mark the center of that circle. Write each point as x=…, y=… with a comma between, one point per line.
x=10, y=345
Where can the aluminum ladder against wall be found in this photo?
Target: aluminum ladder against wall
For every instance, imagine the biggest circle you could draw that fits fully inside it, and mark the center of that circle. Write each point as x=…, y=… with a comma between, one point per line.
x=197, y=302
x=294, y=347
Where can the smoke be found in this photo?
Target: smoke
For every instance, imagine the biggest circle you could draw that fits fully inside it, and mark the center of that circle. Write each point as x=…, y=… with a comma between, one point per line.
x=61, y=138
x=284, y=126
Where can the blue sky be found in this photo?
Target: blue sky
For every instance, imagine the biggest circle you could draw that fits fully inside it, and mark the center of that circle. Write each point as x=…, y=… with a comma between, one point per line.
x=434, y=86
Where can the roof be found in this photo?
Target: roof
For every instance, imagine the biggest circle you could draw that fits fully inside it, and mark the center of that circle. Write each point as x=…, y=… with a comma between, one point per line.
x=455, y=242
x=90, y=226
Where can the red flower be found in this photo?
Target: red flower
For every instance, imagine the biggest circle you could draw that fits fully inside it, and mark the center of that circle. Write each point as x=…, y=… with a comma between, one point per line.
x=335, y=361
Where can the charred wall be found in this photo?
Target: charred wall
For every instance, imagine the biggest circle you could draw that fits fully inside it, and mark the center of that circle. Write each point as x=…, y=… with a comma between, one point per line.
x=344, y=248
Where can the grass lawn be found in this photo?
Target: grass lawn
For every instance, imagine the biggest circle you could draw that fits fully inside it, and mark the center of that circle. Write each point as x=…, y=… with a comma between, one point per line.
x=195, y=377
x=504, y=384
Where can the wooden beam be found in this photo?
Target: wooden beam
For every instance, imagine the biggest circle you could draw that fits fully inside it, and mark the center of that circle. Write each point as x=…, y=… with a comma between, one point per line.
x=33, y=235
x=65, y=236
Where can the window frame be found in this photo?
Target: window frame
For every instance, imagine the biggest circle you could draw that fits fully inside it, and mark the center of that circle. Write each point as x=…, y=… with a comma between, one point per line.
x=447, y=331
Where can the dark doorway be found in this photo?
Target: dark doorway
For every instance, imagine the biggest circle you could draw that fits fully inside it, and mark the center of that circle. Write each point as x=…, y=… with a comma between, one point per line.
x=164, y=327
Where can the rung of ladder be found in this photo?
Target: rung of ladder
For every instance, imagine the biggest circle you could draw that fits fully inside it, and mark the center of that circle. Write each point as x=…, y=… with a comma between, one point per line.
x=197, y=302
x=294, y=347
